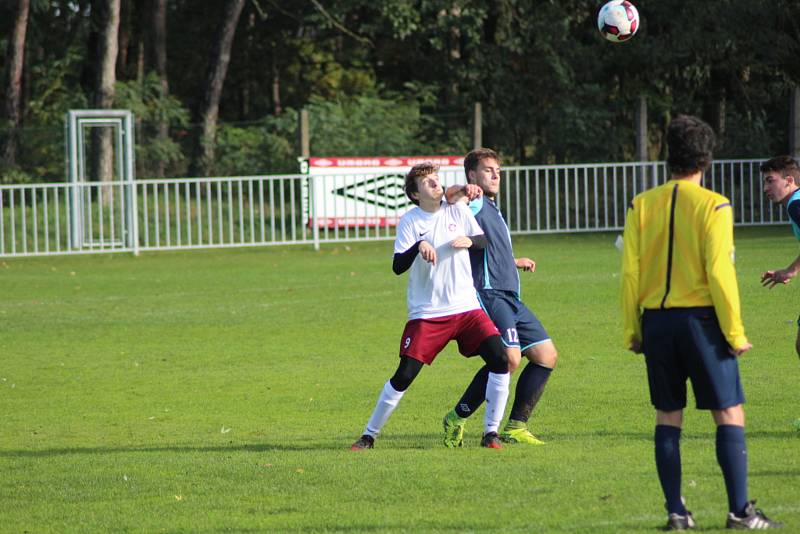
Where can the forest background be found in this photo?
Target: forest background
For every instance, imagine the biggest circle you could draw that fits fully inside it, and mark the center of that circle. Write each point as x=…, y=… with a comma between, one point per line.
x=216, y=86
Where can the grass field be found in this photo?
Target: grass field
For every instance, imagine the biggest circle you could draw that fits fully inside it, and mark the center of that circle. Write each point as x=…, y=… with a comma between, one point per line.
x=213, y=391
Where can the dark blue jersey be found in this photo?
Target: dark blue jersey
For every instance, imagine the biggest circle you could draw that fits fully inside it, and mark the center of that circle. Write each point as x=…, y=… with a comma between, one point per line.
x=493, y=267
x=793, y=208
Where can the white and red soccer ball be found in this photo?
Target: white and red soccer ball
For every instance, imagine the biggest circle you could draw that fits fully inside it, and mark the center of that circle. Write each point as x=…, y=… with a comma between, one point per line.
x=618, y=20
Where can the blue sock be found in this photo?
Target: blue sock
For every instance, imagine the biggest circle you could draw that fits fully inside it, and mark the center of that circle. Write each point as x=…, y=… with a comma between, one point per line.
x=474, y=395
x=668, y=465
x=732, y=458
x=529, y=390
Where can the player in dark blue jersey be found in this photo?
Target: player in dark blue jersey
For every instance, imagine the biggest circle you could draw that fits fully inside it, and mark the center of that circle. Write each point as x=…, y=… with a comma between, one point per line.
x=782, y=186
x=496, y=278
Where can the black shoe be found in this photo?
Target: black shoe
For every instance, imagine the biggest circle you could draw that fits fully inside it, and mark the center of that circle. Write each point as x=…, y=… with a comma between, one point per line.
x=364, y=442
x=680, y=522
x=754, y=519
x=490, y=440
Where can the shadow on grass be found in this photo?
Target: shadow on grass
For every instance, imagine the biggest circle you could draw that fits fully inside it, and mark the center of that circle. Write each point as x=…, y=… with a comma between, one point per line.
x=396, y=442
x=263, y=447
x=420, y=442
x=696, y=432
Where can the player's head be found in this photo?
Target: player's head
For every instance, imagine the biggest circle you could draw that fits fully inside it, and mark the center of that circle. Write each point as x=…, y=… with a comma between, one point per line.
x=690, y=143
x=781, y=177
x=423, y=180
x=482, y=167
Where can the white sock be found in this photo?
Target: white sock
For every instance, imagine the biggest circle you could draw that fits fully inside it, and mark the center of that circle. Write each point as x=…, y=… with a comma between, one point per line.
x=496, y=397
x=387, y=402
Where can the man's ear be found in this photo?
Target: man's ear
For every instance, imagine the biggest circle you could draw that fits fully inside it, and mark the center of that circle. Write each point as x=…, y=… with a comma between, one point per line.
x=414, y=195
x=471, y=177
x=789, y=178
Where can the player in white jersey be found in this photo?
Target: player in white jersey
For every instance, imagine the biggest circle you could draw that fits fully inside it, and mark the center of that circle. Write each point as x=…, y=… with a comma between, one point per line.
x=433, y=239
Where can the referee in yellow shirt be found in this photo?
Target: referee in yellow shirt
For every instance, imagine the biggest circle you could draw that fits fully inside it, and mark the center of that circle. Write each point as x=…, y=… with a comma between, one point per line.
x=680, y=306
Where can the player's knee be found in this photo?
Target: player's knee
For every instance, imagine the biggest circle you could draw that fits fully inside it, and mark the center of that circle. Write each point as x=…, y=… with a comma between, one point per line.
x=797, y=346
x=514, y=357
x=545, y=355
x=405, y=374
x=550, y=359
x=494, y=355
x=733, y=415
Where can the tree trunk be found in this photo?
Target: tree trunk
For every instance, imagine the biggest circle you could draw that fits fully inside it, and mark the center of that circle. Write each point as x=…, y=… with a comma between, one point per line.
x=718, y=119
x=125, y=25
x=246, y=83
x=794, y=126
x=107, y=13
x=208, y=111
x=277, y=108
x=15, y=61
x=641, y=142
x=158, y=60
x=716, y=108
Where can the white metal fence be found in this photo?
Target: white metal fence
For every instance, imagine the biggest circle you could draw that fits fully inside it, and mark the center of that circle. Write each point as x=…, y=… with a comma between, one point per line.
x=46, y=219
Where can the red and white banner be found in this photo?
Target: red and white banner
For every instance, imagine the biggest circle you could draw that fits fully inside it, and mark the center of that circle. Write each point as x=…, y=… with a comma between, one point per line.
x=361, y=163
x=367, y=192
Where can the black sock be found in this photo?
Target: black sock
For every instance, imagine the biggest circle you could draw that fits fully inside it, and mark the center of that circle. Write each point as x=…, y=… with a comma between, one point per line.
x=668, y=465
x=474, y=395
x=732, y=458
x=529, y=390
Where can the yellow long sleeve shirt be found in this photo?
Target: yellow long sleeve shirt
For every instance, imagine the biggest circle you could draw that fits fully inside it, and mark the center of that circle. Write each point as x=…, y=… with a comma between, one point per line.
x=678, y=253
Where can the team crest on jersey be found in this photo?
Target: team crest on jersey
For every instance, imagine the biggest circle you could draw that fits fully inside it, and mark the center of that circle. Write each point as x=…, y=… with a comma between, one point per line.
x=451, y=227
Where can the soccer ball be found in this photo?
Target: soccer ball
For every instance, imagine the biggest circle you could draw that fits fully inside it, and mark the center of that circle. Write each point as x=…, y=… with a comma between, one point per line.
x=618, y=20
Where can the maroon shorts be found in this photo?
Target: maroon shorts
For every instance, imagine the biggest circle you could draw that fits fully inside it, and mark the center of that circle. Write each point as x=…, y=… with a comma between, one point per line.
x=424, y=339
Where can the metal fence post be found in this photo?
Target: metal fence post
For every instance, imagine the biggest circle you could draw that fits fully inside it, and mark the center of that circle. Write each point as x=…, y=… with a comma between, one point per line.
x=312, y=197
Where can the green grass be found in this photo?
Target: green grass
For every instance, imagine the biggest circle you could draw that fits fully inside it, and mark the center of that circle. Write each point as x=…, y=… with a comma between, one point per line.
x=212, y=391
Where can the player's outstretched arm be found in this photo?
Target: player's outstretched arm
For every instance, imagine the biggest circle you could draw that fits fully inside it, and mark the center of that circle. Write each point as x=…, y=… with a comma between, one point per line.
x=525, y=264
x=462, y=193
x=781, y=276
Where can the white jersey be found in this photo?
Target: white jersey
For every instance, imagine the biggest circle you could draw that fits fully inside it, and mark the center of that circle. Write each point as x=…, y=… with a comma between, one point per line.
x=445, y=288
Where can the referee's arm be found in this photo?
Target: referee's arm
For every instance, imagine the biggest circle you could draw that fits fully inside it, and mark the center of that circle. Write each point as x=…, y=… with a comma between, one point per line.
x=722, y=275
x=631, y=323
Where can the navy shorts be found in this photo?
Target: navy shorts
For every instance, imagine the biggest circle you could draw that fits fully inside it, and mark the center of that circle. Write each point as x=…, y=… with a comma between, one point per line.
x=681, y=343
x=518, y=326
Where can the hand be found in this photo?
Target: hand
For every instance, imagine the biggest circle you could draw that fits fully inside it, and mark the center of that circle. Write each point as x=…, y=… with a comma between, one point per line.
x=461, y=242
x=741, y=350
x=636, y=346
x=472, y=191
x=526, y=264
x=772, y=278
x=427, y=252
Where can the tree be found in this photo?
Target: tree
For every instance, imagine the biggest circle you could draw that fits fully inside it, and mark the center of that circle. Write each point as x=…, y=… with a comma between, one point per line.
x=106, y=14
x=13, y=107
x=157, y=45
x=215, y=79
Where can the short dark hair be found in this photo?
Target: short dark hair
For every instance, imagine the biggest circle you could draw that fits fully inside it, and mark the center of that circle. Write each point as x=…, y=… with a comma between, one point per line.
x=690, y=143
x=417, y=171
x=476, y=156
x=785, y=165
